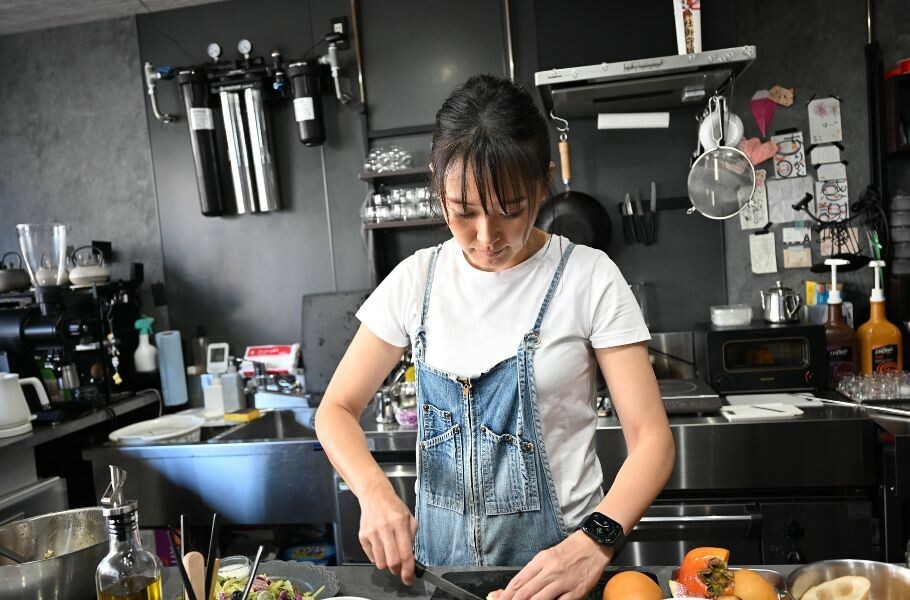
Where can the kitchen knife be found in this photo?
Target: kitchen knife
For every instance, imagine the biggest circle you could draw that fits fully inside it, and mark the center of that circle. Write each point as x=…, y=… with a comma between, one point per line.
x=639, y=228
x=628, y=228
x=442, y=584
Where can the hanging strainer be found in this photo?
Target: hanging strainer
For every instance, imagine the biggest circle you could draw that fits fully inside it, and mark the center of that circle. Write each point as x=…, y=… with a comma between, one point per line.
x=722, y=180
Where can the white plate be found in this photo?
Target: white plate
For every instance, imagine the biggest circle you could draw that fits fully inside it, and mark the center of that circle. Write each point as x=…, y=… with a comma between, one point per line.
x=167, y=428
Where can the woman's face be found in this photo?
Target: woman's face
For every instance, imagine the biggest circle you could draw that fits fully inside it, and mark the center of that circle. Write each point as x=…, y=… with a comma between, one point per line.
x=493, y=241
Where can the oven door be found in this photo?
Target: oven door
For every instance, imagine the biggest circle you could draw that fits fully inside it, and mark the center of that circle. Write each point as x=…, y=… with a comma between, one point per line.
x=668, y=531
x=765, y=364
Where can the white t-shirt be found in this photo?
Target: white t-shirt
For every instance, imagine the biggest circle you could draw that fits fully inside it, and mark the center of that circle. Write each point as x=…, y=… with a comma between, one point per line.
x=478, y=318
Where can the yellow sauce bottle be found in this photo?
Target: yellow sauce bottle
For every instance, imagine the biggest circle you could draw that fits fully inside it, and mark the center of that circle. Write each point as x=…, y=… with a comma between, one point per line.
x=880, y=342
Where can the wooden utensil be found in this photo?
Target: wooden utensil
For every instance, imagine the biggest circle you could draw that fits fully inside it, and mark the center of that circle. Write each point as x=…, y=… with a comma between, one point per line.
x=216, y=564
x=195, y=569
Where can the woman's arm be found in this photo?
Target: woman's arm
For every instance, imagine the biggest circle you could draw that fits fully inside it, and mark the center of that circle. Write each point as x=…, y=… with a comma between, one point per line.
x=387, y=527
x=570, y=569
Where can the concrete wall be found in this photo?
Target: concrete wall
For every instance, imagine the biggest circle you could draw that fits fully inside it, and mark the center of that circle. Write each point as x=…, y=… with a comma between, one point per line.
x=74, y=146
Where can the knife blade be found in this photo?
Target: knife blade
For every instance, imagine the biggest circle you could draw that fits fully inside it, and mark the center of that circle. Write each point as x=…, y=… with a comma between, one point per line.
x=443, y=584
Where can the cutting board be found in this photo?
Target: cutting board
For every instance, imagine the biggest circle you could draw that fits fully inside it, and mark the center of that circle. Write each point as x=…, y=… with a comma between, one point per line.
x=791, y=399
x=760, y=412
x=481, y=583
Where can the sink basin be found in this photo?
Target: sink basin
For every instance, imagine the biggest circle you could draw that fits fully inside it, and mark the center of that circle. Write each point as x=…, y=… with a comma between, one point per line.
x=285, y=424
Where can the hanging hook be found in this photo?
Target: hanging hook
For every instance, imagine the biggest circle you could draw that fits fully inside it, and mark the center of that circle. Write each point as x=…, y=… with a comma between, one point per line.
x=564, y=129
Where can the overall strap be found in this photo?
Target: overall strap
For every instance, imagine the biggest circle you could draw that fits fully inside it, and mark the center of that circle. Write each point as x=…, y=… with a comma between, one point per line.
x=421, y=330
x=553, y=285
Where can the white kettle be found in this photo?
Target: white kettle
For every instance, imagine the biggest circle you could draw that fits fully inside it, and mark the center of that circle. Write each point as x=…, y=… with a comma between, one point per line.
x=15, y=416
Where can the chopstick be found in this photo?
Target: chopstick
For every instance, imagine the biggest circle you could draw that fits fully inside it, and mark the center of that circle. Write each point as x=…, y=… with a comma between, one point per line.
x=179, y=559
x=216, y=564
x=253, y=569
x=210, y=558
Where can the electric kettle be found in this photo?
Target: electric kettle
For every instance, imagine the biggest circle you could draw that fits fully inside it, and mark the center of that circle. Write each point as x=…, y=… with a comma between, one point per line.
x=15, y=416
x=780, y=304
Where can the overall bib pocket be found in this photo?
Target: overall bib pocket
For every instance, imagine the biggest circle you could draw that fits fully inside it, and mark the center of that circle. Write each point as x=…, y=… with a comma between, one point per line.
x=508, y=467
x=441, y=475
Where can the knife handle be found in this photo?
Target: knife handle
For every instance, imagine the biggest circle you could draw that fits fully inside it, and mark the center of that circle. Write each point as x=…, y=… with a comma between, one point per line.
x=419, y=568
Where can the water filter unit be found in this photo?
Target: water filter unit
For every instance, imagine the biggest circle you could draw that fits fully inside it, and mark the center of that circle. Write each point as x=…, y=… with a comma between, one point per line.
x=243, y=88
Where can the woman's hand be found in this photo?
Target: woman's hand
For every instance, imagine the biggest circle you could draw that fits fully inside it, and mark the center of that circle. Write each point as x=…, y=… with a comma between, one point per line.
x=566, y=571
x=387, y=530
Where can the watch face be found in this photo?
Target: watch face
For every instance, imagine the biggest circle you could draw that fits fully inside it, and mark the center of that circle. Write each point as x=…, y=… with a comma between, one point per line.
x=603, y=527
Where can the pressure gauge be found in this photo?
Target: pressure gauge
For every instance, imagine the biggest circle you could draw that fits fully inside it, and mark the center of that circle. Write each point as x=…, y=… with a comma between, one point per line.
x=244, y=47
x=213, y=50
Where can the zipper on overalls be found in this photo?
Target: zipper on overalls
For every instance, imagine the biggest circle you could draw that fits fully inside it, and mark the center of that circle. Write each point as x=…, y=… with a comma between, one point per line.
x=465, y=383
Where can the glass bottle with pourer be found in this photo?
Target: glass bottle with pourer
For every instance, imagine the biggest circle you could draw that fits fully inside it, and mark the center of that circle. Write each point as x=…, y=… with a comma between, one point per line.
x=129, y=571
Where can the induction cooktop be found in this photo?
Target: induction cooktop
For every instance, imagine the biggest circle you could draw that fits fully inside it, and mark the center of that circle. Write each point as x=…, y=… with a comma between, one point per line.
x=683, y=396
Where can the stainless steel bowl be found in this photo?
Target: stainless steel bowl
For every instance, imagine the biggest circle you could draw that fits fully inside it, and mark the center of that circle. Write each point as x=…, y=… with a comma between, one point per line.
x=74, y=541
x=889, y=582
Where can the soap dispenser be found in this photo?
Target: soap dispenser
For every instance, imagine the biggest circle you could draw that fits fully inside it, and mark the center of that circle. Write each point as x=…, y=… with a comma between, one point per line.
x=881, y=346
x=840, y=338
x=129, y=571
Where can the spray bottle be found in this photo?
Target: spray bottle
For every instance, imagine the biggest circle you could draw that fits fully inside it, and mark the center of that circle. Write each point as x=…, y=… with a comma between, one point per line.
x=840, y=338
x=880, y=344
x=146, y=356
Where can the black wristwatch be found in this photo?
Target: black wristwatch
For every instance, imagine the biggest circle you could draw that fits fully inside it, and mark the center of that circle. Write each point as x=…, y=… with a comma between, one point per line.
x=604, y=530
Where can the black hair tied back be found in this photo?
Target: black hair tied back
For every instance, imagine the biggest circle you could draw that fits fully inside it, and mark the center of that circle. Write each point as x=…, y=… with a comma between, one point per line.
x=492, y=127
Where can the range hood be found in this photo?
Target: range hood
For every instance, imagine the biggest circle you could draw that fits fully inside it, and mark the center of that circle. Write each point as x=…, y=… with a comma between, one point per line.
x=651, y=84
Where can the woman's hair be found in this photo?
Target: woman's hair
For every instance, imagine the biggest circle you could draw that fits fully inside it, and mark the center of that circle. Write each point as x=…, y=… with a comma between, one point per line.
x=491, y=126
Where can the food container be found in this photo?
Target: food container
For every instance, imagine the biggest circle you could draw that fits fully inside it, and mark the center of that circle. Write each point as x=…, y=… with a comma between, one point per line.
x=900, y=201
x=77, y=541
x=900, y=267
x=901, y=250
x=900, y=234
x=171, y=428
x=733, y=315
x=888, y=581
x=900, y=218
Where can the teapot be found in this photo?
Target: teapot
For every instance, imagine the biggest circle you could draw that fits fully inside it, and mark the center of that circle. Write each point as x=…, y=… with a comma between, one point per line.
x=780, y=304
x=88, y=266
x=15, y=416
x=13, y=278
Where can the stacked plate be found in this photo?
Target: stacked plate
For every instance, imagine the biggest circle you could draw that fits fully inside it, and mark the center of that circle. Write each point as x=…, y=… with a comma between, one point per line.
x=900, y=232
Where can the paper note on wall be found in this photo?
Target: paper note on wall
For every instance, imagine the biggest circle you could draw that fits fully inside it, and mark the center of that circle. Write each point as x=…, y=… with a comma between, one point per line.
x=837, y=170
x=797, y=258
x=832, y=202
x=824, y=121
x=755, y=214
x=826, y=153
x=790, y=160
x=762, y=252
x=783, y=194
x=796, y=235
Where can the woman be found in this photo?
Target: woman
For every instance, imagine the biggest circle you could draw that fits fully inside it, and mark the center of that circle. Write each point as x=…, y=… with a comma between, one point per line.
x=506, y=453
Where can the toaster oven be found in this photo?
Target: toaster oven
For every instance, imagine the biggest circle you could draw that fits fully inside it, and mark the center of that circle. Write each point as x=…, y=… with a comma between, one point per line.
x=762, y=357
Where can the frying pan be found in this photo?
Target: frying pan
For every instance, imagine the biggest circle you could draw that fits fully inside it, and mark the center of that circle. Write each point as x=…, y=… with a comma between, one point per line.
x=576, y=215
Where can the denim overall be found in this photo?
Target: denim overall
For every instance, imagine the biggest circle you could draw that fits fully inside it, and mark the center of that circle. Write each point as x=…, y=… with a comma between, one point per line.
x=485, y=495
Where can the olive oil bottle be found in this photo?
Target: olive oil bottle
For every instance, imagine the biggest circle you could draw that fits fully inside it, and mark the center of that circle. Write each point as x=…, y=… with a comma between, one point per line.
x=129, y=571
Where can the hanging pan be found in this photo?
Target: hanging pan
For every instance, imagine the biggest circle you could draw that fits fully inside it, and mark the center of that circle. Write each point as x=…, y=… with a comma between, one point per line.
x=575, y=215
x=721, y=180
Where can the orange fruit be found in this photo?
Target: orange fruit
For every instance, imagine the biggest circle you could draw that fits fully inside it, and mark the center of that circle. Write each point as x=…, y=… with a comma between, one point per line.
x=632, y=585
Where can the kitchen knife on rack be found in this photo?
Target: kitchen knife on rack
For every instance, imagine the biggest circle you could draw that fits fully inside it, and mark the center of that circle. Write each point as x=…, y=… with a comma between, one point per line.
x=628, y=227
x=637, y=221
x=443, y=584
x=649, y=218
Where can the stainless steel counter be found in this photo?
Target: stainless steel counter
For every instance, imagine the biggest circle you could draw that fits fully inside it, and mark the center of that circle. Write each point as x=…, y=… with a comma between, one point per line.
x=274, y=471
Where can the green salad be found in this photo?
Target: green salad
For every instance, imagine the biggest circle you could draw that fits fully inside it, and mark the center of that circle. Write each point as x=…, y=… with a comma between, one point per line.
x=264, y=588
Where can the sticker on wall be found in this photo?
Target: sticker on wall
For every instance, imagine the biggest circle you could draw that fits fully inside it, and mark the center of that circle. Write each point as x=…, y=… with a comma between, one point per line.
x=763, y=109
x=790, y=160
x=830, y=171
x=783, y=194
x=762, y=253
x=832, y=202
x=825, y=153
x=796, y=235
x=824, y=121
x=755, y=215
x=799, y=257
x=834, y=241
x=781, y=95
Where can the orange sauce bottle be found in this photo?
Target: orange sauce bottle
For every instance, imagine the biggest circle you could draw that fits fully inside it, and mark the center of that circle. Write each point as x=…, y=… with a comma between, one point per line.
x=880, y=343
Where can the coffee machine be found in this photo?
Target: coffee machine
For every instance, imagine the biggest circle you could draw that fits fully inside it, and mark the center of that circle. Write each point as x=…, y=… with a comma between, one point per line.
x=78, y=342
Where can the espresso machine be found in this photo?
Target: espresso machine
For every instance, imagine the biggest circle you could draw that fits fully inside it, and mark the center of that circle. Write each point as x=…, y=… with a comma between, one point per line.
x=78, y=342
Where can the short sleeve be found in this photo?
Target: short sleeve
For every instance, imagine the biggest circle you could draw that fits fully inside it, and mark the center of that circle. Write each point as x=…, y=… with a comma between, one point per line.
x=616, y=317
x=389, y=311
